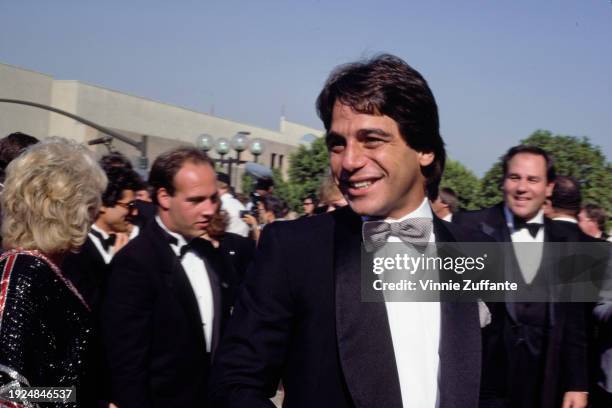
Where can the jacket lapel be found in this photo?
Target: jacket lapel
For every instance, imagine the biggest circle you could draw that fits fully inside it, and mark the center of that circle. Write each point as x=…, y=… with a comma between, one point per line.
x=495, y=225
x=362, y=329
x=175, y=277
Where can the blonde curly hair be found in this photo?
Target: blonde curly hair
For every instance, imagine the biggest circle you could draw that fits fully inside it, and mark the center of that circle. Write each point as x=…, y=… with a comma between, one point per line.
x=52, y=194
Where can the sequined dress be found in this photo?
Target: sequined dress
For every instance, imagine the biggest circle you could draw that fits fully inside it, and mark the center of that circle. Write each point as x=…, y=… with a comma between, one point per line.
x=45, y=329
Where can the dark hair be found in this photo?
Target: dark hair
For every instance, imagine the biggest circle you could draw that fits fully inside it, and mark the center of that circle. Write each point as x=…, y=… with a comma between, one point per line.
x=597, y=214
x=566, y=194
x=274, y=204
x=386, y=85
x=11, y=146
x=115, y=159
x=513, y=151
x=264, y=184
x=119, y=179
x=312, y=197
x=449, y=197
x=168, y=164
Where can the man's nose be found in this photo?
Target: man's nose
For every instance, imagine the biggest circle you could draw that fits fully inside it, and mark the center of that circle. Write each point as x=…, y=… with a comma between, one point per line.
x=353, y=158
x=209, y=208
x=521, y=185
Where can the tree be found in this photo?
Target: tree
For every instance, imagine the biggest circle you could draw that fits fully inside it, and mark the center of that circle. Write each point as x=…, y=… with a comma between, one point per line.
x=307, y=167
x=463, y=182
x=572, y=156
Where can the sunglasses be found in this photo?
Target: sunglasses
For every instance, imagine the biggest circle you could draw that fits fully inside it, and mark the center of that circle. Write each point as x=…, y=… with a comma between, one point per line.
x=131, y=206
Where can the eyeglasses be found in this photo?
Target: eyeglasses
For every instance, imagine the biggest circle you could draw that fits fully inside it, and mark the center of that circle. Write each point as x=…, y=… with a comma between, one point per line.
x=131, y=206
x=308, y=203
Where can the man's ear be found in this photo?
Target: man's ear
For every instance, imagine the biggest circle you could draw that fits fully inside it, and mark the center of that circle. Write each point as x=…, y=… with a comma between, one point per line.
x=163, y=198
x=425, y=158
x=549, y=188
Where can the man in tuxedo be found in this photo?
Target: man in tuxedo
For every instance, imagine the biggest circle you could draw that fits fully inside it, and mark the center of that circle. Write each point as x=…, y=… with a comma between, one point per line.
x=167, y=292
x=88, y=269
x=534, y=352
x=299, y=317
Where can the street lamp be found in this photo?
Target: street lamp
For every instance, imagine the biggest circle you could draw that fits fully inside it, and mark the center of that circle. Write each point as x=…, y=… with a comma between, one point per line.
x=222, y=147
x=239, y=143
x=205, y=142
x=257, y=148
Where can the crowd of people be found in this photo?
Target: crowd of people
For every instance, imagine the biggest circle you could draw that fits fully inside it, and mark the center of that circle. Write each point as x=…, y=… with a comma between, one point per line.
x=179, y=292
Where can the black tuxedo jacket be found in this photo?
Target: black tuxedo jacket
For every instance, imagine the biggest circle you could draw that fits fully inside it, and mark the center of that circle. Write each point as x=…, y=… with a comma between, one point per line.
x=88, y=272
x=565, y=361
x=299, y=318
x=151, y=324
x=239, y=250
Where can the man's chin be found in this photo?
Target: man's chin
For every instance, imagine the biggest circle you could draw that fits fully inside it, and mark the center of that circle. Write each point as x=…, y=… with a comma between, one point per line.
x=363, y=209
x=524, y=213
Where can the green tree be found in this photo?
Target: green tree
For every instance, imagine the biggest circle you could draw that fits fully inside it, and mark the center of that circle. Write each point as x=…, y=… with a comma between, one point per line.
x=464, y=182
x=572, y=156
x=307, y=167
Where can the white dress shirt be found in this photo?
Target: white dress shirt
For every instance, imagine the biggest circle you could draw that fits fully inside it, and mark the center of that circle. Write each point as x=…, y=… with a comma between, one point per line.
x=106, y=255
x=232, y=207
x=200, y=282
x=529, y=256
x=415, y=332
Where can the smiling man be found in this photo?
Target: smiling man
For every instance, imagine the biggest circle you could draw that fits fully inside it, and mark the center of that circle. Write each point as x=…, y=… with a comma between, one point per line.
x=535, y=353
x=168, y=292
x=300, y=318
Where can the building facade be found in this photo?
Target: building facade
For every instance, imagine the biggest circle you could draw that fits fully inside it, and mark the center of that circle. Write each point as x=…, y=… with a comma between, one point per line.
x=161, y=126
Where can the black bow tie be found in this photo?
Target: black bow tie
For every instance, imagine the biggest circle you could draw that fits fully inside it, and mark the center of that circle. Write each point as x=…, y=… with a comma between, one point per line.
x=415, y=231
x=106, y=242
x=532, y=227
x=199, y=245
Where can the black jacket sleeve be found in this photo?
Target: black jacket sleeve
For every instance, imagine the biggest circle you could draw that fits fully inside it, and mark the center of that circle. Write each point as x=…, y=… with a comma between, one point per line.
x=248, y=363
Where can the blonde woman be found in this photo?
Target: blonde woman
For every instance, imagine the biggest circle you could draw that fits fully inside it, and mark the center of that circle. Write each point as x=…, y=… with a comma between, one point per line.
x=51, y=195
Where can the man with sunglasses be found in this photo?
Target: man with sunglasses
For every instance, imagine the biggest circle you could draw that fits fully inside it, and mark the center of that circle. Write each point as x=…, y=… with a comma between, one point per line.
x=89, y=268
x=109, y=233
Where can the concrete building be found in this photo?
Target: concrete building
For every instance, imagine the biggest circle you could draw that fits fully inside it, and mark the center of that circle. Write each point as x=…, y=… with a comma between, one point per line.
x=163, y=126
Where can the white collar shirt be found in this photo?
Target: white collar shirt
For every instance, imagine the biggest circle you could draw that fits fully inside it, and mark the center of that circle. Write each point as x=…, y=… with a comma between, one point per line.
x=415, y=333
x=106, y=255
x=198, y=278
x=565, y=218
x=232, y=207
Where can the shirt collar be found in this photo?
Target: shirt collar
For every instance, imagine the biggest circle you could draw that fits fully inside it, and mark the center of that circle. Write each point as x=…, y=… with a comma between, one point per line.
x=100, y=230
x=538, y=218
x=566, y=219
x=179, y=238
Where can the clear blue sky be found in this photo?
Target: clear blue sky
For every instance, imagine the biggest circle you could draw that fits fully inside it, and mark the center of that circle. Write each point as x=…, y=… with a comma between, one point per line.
x=499, y=70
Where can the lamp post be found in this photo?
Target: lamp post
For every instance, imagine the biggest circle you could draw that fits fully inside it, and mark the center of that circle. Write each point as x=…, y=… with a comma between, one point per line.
x=239, y=143
x=257, y=148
